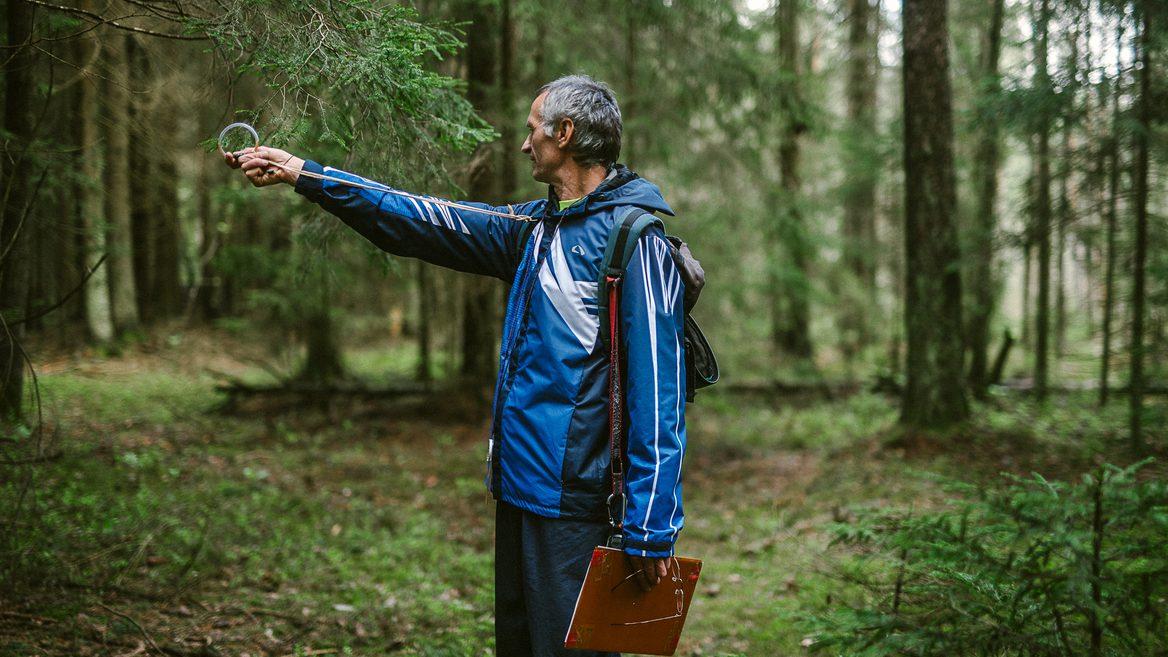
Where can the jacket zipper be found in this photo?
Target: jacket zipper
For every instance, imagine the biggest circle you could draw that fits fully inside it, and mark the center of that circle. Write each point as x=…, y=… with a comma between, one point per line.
x=506, y=376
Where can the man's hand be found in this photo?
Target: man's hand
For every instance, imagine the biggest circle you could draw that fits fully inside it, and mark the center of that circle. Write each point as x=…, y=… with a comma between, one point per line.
x=257, y=164
x=649, y=570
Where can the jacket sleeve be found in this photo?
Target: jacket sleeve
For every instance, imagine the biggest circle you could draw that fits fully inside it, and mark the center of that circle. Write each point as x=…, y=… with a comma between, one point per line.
x=652, y=317
x=414, y=227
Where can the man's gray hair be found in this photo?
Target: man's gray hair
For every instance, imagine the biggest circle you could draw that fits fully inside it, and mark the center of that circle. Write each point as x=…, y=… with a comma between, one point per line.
x=591, y=105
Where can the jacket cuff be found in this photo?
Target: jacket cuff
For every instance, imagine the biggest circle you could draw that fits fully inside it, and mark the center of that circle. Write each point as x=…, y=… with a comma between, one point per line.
x=309, y=187
x=638, y=548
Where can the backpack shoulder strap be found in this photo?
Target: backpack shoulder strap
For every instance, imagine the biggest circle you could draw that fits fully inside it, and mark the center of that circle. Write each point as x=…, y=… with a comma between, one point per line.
x=524, y=234
x=622, y=241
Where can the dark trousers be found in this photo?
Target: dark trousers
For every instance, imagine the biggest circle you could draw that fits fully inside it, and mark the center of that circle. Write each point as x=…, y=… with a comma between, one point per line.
x=539, y=566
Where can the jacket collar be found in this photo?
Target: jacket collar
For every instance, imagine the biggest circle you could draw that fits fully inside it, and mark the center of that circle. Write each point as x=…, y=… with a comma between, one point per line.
x=622, y=186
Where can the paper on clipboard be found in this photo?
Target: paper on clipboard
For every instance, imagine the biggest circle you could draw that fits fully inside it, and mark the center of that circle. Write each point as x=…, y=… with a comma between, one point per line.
x=614, y=614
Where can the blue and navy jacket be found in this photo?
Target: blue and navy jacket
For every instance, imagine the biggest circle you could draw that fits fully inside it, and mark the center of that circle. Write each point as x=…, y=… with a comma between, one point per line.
x=549, y=443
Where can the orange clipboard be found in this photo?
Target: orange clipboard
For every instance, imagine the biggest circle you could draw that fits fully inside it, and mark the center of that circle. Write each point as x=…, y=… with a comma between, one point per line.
x=613, y=613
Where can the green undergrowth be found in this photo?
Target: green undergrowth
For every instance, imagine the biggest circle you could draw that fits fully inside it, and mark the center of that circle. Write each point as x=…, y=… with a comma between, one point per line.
x=365, y=526
x=89, y=400
x=1031, y=567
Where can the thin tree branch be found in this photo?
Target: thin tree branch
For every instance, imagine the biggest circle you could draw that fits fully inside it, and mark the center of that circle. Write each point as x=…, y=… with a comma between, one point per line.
x=65, y=298
x=15, y=346
x=23, y=214
x=36, y=393
x=82, y=70
x=35, y=460
x=114, y=22
x=161, y=10
x=32, y=617
x=153, y=646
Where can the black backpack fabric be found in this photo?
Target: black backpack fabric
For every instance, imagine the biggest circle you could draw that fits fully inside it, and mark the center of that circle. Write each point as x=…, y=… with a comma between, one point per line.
x=701, y=366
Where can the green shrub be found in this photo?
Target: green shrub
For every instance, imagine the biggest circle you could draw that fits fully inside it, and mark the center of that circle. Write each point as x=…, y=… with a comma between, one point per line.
x=1033, y=568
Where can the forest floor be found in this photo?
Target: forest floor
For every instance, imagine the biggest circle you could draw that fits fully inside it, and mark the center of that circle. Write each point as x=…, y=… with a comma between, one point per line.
x=162, y=524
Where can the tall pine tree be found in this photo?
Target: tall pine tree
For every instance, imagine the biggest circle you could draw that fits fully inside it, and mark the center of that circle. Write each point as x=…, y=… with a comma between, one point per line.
x=934, y=393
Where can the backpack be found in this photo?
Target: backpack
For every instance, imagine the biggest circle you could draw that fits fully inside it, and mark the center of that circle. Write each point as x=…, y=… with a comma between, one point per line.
x=701, y=366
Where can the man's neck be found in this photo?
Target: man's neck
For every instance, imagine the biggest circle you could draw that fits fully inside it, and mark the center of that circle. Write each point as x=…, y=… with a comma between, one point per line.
x=578, y=182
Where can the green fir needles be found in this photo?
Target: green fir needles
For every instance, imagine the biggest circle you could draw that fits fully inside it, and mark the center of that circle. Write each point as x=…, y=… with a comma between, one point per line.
x=1035, y=568
x=355, y=70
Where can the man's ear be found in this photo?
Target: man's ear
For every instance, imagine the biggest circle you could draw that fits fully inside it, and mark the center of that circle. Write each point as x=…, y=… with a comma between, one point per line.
x=564, y=131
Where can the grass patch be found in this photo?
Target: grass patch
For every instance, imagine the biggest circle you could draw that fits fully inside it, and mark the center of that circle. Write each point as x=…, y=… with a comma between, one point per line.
x=365, y=527
x=155, y=397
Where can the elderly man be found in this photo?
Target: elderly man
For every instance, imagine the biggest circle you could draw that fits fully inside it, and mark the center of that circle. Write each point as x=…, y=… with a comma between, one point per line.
x=549, y=460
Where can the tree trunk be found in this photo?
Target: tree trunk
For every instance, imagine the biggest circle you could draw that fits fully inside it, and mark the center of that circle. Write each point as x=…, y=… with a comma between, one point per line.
x=1065, y=212
x=154, y=200
x=98, y=311
x=1042, y=208
x=934, y=393
x=508, y=173
x=995, y=375
x=791, y=248
x=207, y=294
x=1113, y=164
x=17, y=201
x=118, y=205
x=482, y=296
x=1067, y=192
x=862, y=174
x=985, y=179
x=167, y=288
x=322, y=362
x=1027, y=286
x=425, y=366
x=1060, y=252
x=629, y=101
x=539, y=49
x=1140, y=258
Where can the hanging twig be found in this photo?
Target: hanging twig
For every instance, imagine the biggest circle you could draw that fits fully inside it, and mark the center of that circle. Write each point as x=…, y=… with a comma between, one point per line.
x=39, y=430
x=1094, y=623
x=133, y=622
x=65, y=298
x=114, y=22
x=31, y=617
x=35, y=460
x=900, y=574
x=136, y=651
x=24, y=212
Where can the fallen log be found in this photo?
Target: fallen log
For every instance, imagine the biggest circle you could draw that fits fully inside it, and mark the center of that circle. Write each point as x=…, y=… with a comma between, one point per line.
x=823, y=389
x=318, y=393
x=1027, y=385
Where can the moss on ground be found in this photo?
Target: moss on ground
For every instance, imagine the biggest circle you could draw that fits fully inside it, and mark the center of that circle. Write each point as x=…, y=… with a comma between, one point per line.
x=364, y=526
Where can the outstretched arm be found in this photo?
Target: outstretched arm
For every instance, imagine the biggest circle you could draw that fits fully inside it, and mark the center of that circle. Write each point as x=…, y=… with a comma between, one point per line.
x=471, y=238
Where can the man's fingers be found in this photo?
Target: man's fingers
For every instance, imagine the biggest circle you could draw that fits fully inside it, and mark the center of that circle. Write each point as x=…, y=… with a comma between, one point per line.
x=253, y=155
x=645, y=577
x=238, y=158
x=265, y=166
x=648, y=571
x=261, y=177
x=260, y=164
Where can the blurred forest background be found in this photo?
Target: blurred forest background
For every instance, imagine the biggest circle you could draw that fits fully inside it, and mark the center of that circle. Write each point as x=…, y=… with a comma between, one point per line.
x=935, y=240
